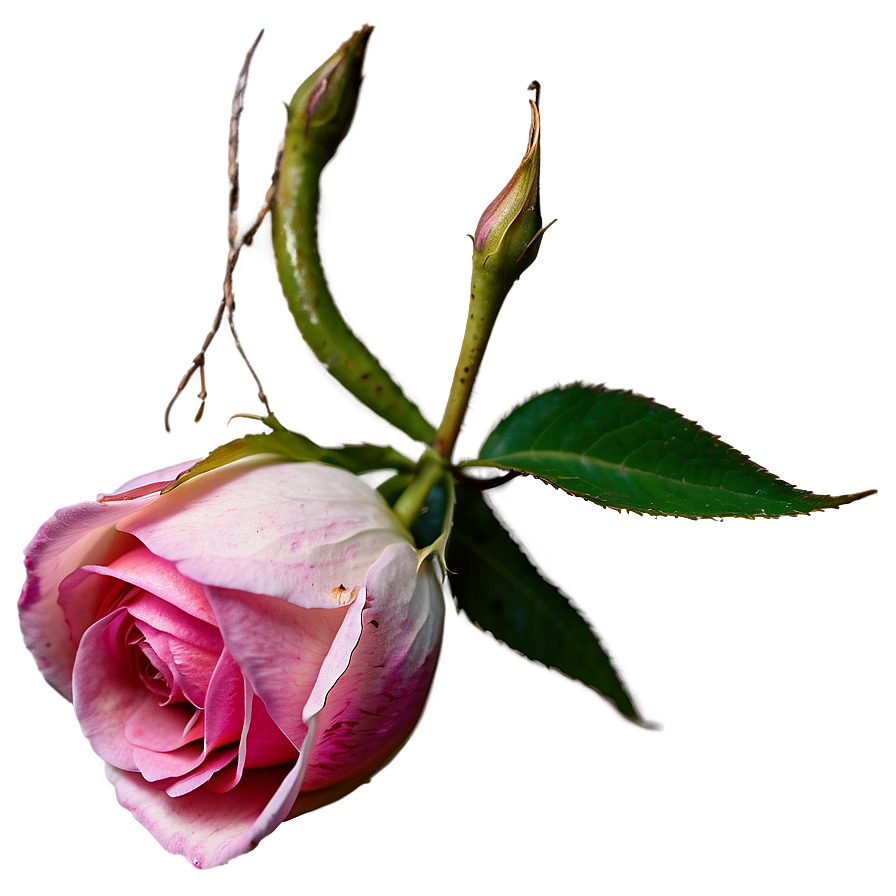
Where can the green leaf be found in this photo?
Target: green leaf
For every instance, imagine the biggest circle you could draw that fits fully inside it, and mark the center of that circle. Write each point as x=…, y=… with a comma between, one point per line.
x=292, y=445
x=625, y=451
x=365, y=457
x=497, y=586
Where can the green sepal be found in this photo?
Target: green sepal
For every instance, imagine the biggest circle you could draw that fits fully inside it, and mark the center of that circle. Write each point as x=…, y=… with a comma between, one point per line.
x=430, y=525
x=294, y=446
x=622, y=450
x=440, y=507
x=500, y=590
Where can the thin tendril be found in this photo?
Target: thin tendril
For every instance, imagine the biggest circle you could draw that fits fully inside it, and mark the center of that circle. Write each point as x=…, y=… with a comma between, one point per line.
x=235, y=246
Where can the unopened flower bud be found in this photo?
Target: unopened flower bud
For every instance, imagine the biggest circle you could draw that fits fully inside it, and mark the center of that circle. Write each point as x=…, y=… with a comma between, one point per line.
x=322, y=108
x=509, y=232
x=245, y=648
x=505, y=244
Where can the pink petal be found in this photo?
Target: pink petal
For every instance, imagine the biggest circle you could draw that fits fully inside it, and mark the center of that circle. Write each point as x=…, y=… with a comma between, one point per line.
x=157, y=766
x=90, y=593
x=262, y=745
x=303, y=532
x=161, y=681
x=211, y=765
x=189, y=666
x=161, y=728
x=372, y=707
x=106, y=693
x=266, y=744
x=229, y=777
x=278, y=647
x=170, y=606
x=225, y=703
x=161, y=578
x=211, y=828
x=72, y=537
x=123, y=720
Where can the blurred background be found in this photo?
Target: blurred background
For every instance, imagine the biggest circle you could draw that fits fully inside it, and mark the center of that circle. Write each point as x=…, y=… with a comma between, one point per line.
x=723, y=180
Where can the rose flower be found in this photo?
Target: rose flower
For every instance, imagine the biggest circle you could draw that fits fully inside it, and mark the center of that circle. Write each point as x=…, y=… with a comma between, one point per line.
x=249, y=646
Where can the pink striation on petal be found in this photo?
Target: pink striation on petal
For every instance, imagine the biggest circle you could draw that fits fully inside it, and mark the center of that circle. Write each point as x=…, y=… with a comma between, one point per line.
x=371, y=708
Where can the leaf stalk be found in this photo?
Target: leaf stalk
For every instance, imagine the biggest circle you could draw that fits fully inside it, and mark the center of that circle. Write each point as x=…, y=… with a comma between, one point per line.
x=429, y=470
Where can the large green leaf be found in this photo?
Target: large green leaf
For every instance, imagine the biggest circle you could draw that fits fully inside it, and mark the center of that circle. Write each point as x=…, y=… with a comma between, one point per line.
x=625, y=451
x=292, y=445
x=496, y=585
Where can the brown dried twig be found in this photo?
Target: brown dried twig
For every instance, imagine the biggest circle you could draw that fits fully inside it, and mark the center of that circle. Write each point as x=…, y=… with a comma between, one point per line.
x=235, y=245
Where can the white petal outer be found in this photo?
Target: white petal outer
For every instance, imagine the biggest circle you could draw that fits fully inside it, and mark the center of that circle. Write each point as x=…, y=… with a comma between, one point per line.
x=74, y=536
x=301, y=532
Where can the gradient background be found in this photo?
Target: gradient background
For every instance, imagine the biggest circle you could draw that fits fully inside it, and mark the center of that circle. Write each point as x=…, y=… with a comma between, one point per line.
x=724, y=179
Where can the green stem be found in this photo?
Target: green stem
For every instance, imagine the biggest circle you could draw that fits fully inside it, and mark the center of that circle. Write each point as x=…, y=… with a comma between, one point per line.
x=429, y=470
x=294, y=216
x=318, y=118
x=486, y=297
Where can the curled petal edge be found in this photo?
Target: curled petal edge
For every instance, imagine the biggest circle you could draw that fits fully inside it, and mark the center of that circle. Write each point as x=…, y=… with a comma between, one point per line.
x=74, y=536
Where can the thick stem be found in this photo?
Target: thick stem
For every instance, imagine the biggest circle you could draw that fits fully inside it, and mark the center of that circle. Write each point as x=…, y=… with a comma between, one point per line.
x=318, y=118
x=430, y=469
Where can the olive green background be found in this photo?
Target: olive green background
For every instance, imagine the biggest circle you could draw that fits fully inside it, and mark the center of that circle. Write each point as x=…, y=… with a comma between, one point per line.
x=724, y=182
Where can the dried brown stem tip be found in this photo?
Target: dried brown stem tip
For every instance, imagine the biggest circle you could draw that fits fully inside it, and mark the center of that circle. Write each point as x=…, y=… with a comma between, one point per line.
x=228, y=300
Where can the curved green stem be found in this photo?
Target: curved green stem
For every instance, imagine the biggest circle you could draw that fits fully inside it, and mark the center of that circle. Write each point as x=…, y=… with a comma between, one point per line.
x=319, y=116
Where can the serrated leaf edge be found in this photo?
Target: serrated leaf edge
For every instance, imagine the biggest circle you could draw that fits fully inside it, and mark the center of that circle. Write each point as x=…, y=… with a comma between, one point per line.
x=840, y=500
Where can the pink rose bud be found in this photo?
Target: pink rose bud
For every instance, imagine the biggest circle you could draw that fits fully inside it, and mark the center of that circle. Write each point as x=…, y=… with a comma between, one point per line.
x=324, y=105
x=252, y=645
x=509, y=232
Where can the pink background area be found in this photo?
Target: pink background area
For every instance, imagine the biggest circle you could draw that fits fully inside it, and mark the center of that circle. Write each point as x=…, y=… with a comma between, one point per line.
x=724, y=182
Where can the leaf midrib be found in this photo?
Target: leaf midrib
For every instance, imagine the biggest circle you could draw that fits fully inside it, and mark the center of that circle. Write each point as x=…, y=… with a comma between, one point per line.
x=507, y=460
